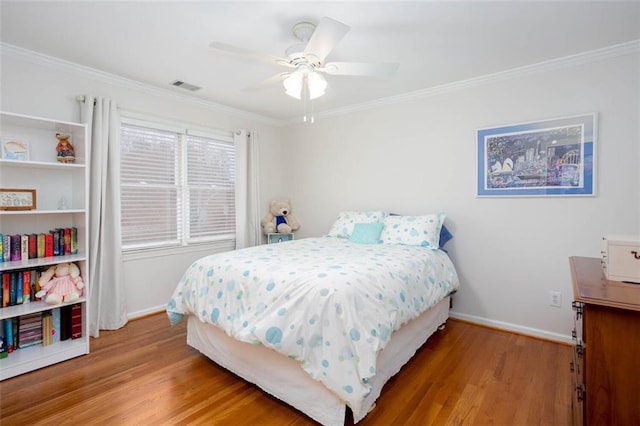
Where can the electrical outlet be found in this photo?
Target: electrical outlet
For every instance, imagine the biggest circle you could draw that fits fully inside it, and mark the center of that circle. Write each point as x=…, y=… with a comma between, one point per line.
x=555, y=298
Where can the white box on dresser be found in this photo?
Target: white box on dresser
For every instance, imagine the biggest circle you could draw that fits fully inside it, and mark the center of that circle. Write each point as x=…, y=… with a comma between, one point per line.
x=621, y=257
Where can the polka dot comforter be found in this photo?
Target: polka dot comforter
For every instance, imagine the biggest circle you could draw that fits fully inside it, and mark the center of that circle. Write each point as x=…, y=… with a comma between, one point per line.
x=329, y=303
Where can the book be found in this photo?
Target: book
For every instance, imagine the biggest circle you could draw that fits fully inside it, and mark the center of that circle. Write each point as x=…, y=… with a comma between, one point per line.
x=76, y=321
x=16, y=247
x=4, y=351
x=37, y=284
x=66, y=239
x=26, y=286
x=46, y=328
x=33, y=246
x=74, y=240
x=48, y=245
x=12, y=288
x=40, y=245
x=56, y=242
x=24, y=247
x=19, y=290
x=65, y=322
x=33, y=284
x=8, y=333
x=6, y=284
x=6, y=248
x=55, y=325
x=1, y=248
x=30, y=330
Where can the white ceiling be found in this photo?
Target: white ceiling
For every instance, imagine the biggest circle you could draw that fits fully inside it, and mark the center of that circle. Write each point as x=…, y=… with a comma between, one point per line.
x=435, y=42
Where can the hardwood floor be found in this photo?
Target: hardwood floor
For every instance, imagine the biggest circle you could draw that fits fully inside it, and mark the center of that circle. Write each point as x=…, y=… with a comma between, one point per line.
x=145, y=374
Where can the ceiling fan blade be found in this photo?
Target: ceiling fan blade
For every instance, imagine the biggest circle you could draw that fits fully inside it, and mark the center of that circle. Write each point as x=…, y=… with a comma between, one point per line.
x=265, y=57
x=374, y=69
x=271, y=81
x=327, y=34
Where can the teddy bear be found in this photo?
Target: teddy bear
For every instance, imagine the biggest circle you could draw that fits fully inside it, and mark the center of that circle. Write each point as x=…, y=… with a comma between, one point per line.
x=60, y=283
x=279, y=218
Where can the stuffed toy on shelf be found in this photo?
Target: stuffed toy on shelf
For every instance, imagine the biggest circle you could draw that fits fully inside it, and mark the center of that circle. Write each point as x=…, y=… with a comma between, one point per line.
x=279, y=218
x=60, y=283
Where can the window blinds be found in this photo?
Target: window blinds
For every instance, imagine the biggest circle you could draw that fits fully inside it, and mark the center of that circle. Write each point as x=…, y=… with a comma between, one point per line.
x=210, y=187
x=175, y=188
x=150, y=186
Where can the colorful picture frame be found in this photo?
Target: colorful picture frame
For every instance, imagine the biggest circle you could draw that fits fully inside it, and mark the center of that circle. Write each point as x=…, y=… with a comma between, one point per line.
x=14, y=149
x=17, y=199
x=553, y=157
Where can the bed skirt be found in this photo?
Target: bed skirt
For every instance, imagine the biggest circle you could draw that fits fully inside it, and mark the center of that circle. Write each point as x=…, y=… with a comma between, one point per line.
x=283, y=377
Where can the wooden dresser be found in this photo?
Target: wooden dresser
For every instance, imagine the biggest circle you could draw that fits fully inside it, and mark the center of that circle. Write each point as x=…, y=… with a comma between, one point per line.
x=606, y=359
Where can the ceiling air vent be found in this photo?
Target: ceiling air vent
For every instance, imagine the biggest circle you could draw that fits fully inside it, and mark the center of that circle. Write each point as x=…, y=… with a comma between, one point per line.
x=186, y=86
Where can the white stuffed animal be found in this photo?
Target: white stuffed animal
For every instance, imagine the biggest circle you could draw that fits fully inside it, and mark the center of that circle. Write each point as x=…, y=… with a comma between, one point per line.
x=60, y=283
x=279, y=218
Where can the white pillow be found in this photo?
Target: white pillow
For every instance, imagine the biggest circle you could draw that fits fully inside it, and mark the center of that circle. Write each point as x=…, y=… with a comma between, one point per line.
x=343, y=226
x=413, y=230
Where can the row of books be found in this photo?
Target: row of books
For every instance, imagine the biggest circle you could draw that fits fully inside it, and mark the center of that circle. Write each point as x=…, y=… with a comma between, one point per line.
x=19, y=287
x=58, y=242
x=40, y=328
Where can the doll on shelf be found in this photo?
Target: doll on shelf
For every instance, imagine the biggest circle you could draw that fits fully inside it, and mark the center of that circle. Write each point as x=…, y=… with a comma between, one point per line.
x=66, y=154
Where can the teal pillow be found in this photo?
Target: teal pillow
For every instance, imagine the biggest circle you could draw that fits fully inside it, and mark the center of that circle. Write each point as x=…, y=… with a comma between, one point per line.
x=366, y=233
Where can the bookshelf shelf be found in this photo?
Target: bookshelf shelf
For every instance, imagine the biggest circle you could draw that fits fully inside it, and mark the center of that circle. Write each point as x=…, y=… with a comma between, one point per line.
x=41, y=165
x=62, y=197
x=41, y=356
x=39, y=212
x=29, y=308
x=40, y=262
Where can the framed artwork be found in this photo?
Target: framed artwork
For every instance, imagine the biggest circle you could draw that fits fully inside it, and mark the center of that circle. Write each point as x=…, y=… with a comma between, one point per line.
x=14, y=149
x=17, y=199
x=544, y=158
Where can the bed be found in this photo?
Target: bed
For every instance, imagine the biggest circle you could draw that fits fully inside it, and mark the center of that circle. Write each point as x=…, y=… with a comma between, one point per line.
x=321, y=323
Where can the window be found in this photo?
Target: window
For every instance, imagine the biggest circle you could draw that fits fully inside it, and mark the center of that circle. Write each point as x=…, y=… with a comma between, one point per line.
x=177, y=186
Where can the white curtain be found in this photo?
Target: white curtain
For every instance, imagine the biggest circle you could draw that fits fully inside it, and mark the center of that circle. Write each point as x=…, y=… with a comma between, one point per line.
x=107, y=308
x=248, y=229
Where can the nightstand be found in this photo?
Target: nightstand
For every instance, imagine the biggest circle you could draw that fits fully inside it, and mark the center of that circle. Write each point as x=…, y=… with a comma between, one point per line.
x=278, y=238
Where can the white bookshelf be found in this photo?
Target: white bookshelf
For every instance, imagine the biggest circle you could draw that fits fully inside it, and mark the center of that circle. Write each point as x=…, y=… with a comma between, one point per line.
x=62, y=195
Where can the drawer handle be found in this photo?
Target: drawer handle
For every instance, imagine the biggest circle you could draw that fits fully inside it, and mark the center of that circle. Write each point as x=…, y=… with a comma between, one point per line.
x=635, y=254
x=581, y=393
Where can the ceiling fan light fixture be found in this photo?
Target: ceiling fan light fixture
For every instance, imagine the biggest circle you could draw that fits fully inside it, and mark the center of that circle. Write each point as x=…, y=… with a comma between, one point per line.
x=293, y=84
x=317, y=85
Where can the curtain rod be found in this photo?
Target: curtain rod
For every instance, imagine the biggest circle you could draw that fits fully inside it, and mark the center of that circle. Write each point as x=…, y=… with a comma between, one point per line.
x=82, y=99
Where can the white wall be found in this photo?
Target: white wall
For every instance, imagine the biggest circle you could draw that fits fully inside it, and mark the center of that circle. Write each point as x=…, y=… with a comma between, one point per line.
x=46, y=87
x=411, y=157
x=418, y=156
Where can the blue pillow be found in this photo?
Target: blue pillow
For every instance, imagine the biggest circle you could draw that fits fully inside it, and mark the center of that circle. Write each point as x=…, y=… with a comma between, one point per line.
x=366, y=233
x=445, y=236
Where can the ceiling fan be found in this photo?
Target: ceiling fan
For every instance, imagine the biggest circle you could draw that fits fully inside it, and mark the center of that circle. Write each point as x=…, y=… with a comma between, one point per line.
x=306, y=60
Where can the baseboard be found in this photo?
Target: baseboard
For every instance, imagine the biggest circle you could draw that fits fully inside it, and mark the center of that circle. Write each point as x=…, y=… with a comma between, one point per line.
x=528, y=331
x=146, y=312
x=500, y=325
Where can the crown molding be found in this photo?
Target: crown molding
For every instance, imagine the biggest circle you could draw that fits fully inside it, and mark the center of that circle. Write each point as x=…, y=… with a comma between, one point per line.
x=61, y=64
x=579, y=59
